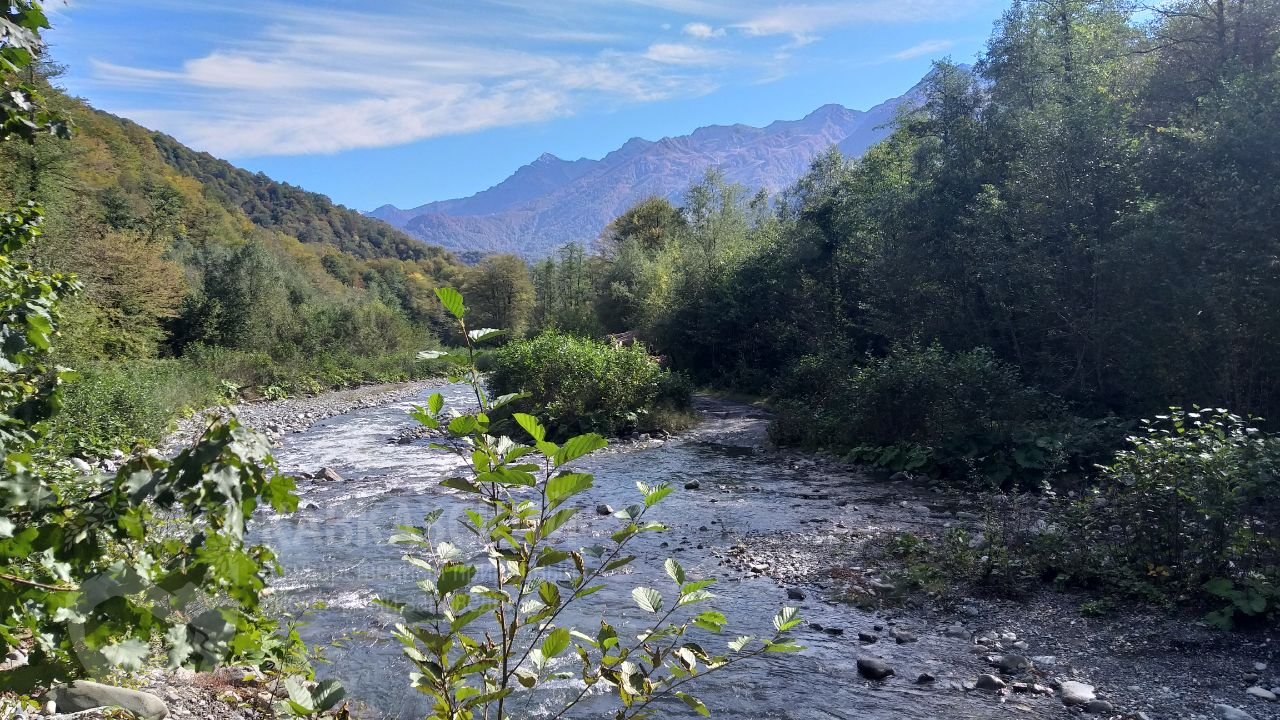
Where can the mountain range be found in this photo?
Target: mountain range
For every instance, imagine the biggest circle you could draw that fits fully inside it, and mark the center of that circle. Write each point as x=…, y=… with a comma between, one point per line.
x=551, y=202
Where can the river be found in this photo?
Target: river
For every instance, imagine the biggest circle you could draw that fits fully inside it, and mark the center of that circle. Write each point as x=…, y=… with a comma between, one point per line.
x=335, y=551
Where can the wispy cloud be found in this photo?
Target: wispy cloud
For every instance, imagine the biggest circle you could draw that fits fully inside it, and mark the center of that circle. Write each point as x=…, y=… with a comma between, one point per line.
x=703, y=31
x=928, y=47
x=301, y=80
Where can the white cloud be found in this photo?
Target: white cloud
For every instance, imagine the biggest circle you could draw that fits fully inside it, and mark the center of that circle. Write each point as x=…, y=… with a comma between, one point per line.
x=928, y=47
x=803, y=22
x=702, y=31
x=681, y=54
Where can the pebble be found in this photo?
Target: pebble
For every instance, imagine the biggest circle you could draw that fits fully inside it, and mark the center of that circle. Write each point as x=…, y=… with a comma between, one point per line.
x=1012, y=664
x=874, y=668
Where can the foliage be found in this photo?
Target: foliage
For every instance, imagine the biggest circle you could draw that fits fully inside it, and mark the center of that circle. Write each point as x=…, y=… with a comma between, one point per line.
x=922, y=409
x=582, y=385
x=1186, y=514
x=87, y=583
x=476, y=638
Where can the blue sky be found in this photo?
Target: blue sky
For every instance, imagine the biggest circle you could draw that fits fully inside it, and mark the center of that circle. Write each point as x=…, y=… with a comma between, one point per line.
x=407, y=101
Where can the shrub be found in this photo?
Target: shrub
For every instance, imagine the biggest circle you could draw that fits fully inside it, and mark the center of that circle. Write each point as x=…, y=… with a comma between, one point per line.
x=582, y=385
x=964, y=415
x=1187, y=513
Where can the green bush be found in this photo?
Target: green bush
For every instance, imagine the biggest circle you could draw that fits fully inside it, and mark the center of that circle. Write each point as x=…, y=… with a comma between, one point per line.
x=114, y=406
x=1188, y=513
x=962, y=415
x=580, y=385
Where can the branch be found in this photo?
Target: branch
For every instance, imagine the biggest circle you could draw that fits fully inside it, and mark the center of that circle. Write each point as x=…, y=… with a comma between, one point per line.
x=32, y=583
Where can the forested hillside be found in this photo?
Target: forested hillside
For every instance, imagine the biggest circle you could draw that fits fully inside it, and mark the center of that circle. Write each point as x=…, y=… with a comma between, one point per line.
x=203, y=279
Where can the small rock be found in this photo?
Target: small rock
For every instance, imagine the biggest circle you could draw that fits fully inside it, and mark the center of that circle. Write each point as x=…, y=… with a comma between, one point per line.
x=1260, y=692
x=84, y=695
x=957, y=632
x=329, y=474
x=795, y=594
x=815, y=627
x=603, y=509
x=903, y=637
x=759, y=567
x=835, y=632
x=1260, y=666
x=1226, y=712
x=899, y=477
x=692, y=485
x=925, y=679
x=874, y=668
x=1251, y=678
x=1076, y=693
x=1098, y=707
x=990, y=683
x=49, y=708
x=1012, y=664
x=867, y=637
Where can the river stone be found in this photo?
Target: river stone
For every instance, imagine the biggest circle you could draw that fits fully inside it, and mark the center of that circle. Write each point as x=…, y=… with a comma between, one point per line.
x=692, y=485
x=957, y=632
x=1076, y=693
x=84, y=695
x=604, y=510
x=874, y=668
x=795, y=594
x=1012, y=664
x=1226, y=712
x=925, y=679
x=1260, y=692
x=867, y=637
x=902, y=636
x=329, y=474
x=990, y=683
x=1098, y=707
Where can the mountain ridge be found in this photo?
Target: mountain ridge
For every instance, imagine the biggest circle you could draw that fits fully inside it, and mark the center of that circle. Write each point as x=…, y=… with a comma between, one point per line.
x=551, y=201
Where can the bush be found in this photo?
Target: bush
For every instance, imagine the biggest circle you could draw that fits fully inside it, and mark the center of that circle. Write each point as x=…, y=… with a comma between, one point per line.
x=963, y=415
x=118, y=405
x=580, y=385
x=1188, y=513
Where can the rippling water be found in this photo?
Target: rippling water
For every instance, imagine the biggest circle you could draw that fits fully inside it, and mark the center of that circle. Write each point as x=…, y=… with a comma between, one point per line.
x=335, y=551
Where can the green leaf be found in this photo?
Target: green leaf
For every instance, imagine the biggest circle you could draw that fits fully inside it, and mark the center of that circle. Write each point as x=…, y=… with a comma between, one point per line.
x=485, y=334
x=741, y=642
x=783, y=647
x=555, y=643
x=531, y=426
x=787, y=618
x=328, y=694
x=435, y=403
x=578, y=447
x=554, y=522
x=694, y=703
x=454, y=577
x=711, y=620
x=648, y=599
x=675, y=571
x=130, y=654
x=566, y=485
x=452, y=301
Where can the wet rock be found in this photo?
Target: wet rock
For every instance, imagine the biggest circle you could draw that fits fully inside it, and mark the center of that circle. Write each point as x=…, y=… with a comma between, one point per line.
x=815, y=627
x=957, y=632
x=1260, y=666
x=328, y=474
x=925, y=679
x=1098, y=707
x=835, y=632
x=1076, y=693
x=1012, y=664
x=990, y=683
x=83, y=695
x=759, y=568
x=902, y=637
x=867, y=637
x=1226, y=712
x=603, y=509
x=874, y=668
x=1251, y=678
x=795, y=594
x=899, y=477
x=692, y=485
x=1261, y=692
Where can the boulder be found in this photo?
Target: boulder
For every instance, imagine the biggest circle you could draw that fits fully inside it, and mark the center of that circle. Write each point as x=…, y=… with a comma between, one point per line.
x=329, y=474
x=1098, y=707
x=902, y=636
x=692, y=485
x=1076, y=693
x=795, y=594
x=84, y=695
x=874, y=668
x=867, y=637
x=604, y=510
x=925, y=679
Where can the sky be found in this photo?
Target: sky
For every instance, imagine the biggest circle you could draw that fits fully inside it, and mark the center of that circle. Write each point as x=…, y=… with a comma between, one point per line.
x=409, y=101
